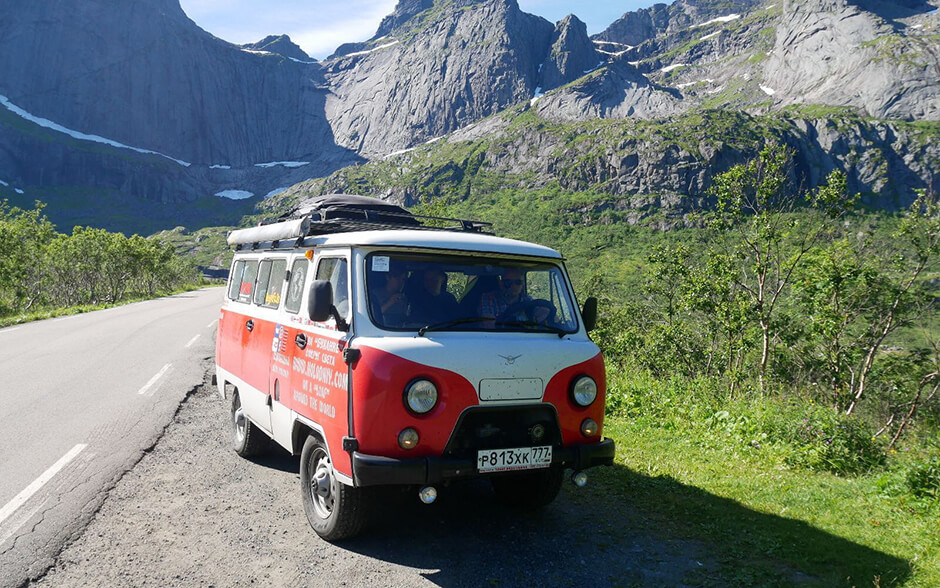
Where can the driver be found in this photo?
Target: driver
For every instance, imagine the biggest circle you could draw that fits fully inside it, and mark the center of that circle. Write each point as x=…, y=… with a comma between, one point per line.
x=511, y=291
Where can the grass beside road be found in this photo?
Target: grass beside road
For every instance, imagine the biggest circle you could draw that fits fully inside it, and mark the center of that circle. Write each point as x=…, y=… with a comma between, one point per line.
x=47, y=313
x=767, y=524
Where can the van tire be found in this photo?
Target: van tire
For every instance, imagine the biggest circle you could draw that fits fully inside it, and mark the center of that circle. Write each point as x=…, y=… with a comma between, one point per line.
x=247, y=439
x=334, y=510
x=529, y=490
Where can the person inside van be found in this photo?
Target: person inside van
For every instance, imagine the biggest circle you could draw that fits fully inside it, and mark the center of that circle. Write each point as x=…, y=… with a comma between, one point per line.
x=389, y=304
x=431, y=303
x=511, y=292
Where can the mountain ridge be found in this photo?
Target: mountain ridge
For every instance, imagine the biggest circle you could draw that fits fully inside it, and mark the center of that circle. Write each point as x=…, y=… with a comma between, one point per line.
x=258, y=118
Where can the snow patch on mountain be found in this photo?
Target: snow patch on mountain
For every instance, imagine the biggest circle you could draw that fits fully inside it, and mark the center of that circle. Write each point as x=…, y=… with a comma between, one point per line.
x=721, y=19
x=687, y=84
x=48, y=124
x=669, y=68
x=283, y=163
x=234, y=194
x=373, y=50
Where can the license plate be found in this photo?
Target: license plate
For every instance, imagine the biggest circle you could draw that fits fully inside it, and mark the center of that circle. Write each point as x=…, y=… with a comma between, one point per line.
x=521, y=458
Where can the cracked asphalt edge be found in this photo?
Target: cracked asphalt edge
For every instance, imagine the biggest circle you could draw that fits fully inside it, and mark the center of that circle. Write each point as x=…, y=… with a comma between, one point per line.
x=76, y=529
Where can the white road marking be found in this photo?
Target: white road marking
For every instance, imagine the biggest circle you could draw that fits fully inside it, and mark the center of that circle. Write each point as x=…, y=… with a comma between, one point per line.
x=10, y=329
x=13, y=524
x=153, y=380
x=27, y=493
x=191, y=341
x=210, y=325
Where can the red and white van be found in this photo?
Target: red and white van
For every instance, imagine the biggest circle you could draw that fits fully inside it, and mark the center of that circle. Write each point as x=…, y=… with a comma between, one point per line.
x=386, y=352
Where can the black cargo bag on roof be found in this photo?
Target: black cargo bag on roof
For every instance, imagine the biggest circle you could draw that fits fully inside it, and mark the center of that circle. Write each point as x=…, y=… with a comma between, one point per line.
x=350, y=207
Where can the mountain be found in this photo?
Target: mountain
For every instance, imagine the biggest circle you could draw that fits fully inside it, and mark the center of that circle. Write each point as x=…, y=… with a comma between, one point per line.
x=281, y=45
x=128, y=115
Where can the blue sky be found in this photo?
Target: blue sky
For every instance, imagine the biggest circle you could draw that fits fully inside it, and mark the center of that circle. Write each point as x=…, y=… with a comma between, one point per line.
x=319, y=26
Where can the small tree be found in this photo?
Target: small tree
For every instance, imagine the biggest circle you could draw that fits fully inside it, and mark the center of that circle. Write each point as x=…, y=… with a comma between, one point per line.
x=754, y=206
x=900, y=298
x=24, y=237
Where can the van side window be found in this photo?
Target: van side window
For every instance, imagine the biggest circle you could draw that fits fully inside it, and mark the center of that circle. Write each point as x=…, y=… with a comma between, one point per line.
x=272, y=297
x=261, y=286
x=334, y=269
x=246, y=287
x=235, y=279
x=295, y=290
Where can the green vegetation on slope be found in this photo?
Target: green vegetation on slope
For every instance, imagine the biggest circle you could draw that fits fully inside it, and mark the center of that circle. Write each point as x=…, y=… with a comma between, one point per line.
x=43, y=271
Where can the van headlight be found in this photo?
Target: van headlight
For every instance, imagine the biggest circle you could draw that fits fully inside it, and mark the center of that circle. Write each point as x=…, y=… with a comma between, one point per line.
x=583, y=390
x=421, y=396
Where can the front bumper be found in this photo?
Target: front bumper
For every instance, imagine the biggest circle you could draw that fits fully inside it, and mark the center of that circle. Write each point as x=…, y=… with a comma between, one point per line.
x=374, y=470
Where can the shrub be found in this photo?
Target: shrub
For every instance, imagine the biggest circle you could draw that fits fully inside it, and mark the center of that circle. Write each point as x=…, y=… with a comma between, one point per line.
x=923, y=479
x=826, y=440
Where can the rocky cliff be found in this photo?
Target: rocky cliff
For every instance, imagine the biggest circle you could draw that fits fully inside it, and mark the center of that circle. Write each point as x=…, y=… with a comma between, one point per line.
x=281, y=45
x=637, y=171
x=442, y=69
x=133, y=100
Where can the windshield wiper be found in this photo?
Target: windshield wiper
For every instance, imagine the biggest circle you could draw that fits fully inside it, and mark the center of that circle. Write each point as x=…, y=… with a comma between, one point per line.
x=452, y=323
x=548, y=328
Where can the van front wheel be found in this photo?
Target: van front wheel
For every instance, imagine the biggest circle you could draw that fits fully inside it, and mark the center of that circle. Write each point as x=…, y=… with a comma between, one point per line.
x=335, y=511
x=247, y=439
x=531, y=490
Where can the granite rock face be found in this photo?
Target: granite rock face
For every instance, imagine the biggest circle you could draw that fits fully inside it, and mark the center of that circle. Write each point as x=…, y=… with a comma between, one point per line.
x=838, y=52
x=207, y=116
x=434, y=75
x=619, y=90
x=282, y=45
x=572, y=54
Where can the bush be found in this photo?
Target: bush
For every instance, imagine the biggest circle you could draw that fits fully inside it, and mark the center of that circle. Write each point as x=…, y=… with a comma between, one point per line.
x=923, y=479
x=826, y=440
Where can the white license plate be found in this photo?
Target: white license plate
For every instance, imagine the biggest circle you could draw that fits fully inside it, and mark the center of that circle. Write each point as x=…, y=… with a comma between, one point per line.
x=506, y=460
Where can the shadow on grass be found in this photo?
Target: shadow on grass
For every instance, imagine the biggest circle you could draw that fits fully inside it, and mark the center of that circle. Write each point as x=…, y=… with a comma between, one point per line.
x=624, y=529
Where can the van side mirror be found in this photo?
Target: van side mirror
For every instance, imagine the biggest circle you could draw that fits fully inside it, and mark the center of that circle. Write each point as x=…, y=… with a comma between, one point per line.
x=589, y=313
x=320, y=302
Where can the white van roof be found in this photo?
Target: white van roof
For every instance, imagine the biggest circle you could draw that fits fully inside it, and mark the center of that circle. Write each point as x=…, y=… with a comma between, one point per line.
x=424, y=239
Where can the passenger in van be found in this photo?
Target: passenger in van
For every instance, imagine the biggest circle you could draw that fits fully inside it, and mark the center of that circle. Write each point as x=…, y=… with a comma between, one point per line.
x=389, y=304
x=431, y=303
x=511, y=292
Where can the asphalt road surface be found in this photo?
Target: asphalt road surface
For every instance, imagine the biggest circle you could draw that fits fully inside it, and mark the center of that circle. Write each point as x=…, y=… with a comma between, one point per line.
x=82, y=398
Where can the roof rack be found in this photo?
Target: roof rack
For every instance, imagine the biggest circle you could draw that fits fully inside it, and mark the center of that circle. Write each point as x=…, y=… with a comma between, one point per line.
x=346, y=217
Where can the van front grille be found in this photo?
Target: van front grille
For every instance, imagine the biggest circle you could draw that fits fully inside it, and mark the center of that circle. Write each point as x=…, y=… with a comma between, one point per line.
x=503, y=427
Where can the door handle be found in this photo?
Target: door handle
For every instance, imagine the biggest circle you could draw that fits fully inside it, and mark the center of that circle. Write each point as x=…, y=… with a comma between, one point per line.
x=250, y=325
x=300, y=340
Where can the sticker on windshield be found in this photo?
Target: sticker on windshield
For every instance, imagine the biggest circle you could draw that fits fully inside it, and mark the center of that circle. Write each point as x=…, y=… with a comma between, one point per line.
x=380, y=263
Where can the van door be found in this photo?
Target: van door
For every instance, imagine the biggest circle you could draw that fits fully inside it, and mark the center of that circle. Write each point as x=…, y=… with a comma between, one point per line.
x=229, y=355
x=285, y=345
x=319, y=379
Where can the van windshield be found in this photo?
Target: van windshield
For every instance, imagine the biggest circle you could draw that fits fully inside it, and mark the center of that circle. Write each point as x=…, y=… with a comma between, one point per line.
x=424, y=293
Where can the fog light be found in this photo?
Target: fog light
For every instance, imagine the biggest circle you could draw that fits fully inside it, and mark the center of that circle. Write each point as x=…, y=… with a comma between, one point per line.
x=588, y=428
x=408, y=439
x=537, y=432
x=428, y=494
x=579, y=479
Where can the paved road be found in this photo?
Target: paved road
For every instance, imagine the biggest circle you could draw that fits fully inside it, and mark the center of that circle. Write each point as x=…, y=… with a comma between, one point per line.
x=81, y=399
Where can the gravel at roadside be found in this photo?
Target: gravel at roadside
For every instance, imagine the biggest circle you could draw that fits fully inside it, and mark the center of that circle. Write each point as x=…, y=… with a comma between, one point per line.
x=194, y=513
